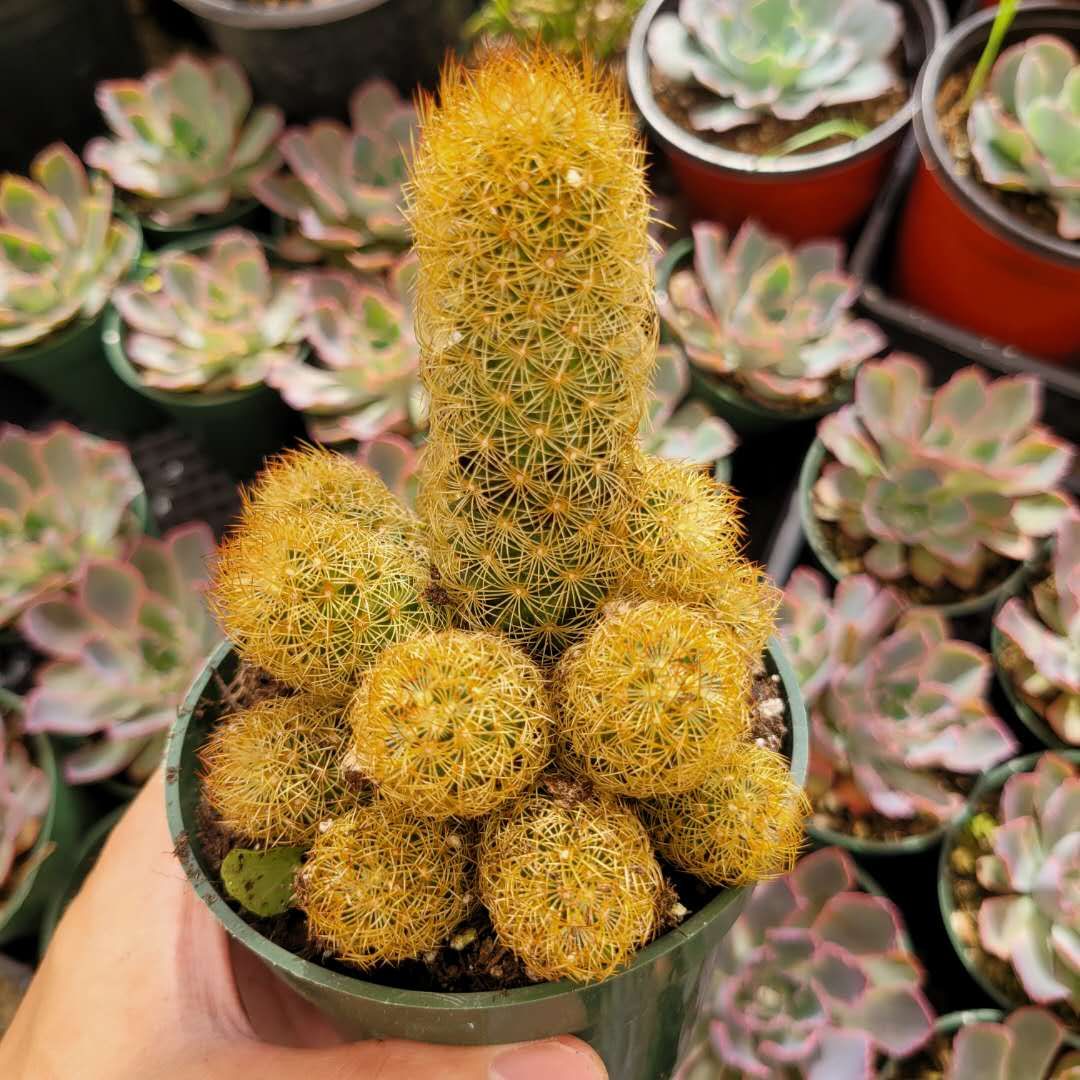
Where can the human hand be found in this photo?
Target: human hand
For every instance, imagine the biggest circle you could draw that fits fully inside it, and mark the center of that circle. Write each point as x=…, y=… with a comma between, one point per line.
x=141, y=982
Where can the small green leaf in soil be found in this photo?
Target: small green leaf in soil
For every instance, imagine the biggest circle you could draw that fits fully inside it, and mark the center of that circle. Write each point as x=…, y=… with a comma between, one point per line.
x=262, y=881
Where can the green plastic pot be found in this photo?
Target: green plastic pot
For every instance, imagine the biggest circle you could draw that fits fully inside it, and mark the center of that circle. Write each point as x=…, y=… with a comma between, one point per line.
x=632, y=1019
x=910, y=845
x=815, y=537
x=991, y=781
x=242, y=215
x=746, y=416
x=69, y=810
x=70, y=368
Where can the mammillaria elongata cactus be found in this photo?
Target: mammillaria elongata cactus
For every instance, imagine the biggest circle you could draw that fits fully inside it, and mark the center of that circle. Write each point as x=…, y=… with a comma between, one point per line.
x=65, y=497
x=937, y=483
x=61, y=249
x=1025, y=127
x=1049, y=639
x=186, y=140
x=24, y=797
x=784, y=57
x=892, y=699
x=774, y=319
x=1026, y=1046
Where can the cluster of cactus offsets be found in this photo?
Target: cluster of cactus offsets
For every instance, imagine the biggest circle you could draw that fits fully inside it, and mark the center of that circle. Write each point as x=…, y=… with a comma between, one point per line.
x=780, y=57
x=65, y=498
x=342, y=187
x=61, y=250
x=24, y=798
x=1026, y=1046
x=1048, y=638
x=1025, y=128
x=1034, y=921
x=935, y=483
x=366, y=381
x=124, y=643
x=216, y=321
x=775, y=319
x=186, y=140
x=892, y=699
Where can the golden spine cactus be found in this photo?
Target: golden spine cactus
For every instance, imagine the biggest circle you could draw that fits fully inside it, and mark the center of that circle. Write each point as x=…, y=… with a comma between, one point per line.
x=314, y=599
x=651, y=697
x=451, y=723
x=743, y=824
x=380, y=886
x=571, y=884
x=535, y=317
x=272, y=772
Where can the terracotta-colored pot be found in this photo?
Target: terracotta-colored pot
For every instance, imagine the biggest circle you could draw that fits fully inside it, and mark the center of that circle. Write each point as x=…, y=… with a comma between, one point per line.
x=802, y=196
x=960, y=254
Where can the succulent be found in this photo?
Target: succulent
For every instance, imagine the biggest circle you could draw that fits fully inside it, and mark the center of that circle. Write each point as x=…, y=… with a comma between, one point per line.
x=814, y=980
x=215, y=321
x=124, y=645
x=1025, y=128
x=1048, y=638
x=394, y=460
x=936, y=483
x=24, y=799
x=186, y=140
x=892, y=699
x=776, y=320
x=783, y=58
x=1024, y=1047
x=342, y=186
x=1034, y=921
x=61, y=250
x=365, y=383
x=65, y=497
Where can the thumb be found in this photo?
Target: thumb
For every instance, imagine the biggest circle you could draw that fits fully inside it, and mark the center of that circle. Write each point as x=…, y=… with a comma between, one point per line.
x=564, y=1058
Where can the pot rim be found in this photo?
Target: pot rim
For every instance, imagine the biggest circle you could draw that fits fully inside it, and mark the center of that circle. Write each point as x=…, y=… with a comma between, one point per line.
x=357, y=987
x=909, y=845
x=199, y=225
x=246, y=16
x=1033, y=17
x=752, y=165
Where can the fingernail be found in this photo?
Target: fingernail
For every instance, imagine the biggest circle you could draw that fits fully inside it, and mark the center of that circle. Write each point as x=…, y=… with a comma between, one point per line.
x=552, y=1060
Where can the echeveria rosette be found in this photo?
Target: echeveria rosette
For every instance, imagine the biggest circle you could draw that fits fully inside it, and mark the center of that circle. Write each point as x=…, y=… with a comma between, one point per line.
x=61, y=250
x=775, y=318
x=366, y=382
x=1024, y=130
x=1026, y=1046
x=892, y=698
x=65, y=498
x=24, y=799
x=219, y=320
x=936, y=482
x=815, y=979
x=124, y=646
x=1034, y=923
x=186, y=140
x=780, y=57
x=1049, y=638
x=342, y=186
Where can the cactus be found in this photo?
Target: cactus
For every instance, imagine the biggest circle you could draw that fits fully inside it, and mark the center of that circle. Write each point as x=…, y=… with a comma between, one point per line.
x=342, y=187
x=273, y=772
x=65, y=498
x=451, y=724
x=892, y=699
x=366, y=381
x=936, y=483
x=529, y=210
x=651, y=698
x=61, y=250
x=1033, y=922
x=381, y=886
x=261, y=881
x=211, y=322
x=24, y=801
x=1024, y=1047
x=1024, y=129
x=570, y=883
x=186, y=140
x=773, y=319
x=1048, y=639
x=783, y=58
x=124, y=644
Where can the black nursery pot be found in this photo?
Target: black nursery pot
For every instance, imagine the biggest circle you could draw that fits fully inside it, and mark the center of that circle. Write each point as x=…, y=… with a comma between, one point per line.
x=309, y=57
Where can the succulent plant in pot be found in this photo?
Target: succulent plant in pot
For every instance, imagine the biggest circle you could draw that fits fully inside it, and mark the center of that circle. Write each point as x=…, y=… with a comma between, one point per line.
x=767, y=327
x=944, y=493
x=787, y=112
x=186, y=144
